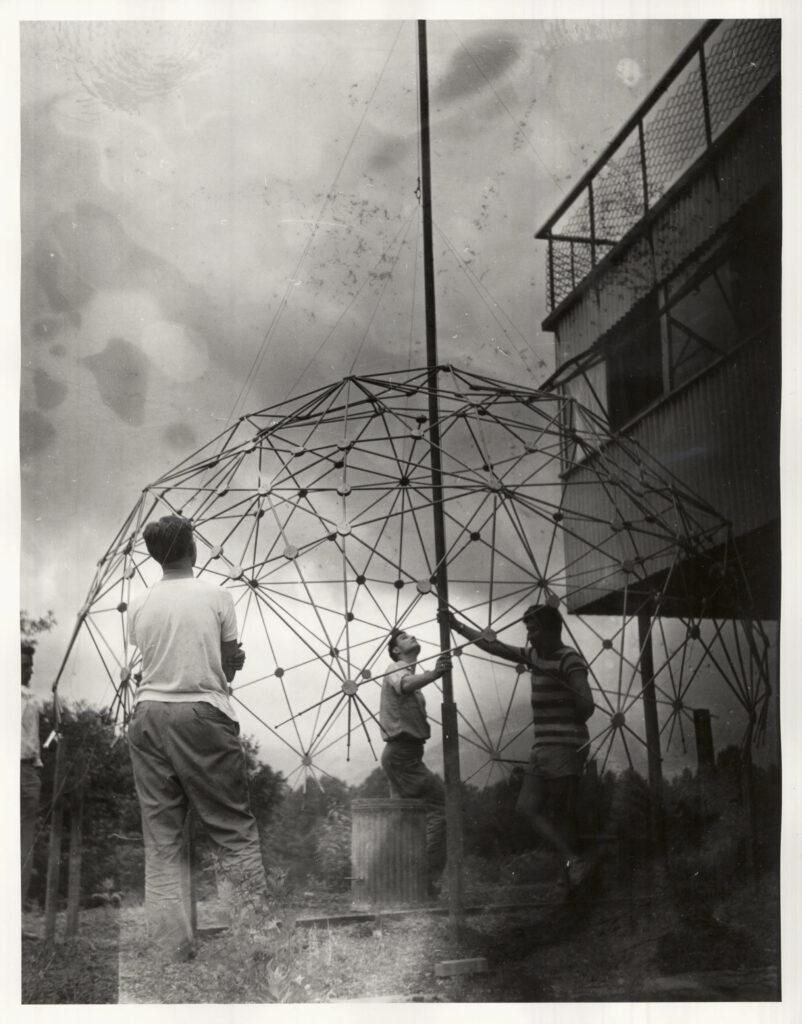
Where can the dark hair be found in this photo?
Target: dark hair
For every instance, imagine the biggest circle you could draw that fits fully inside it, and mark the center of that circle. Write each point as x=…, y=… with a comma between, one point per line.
x=26, y=647
x=396, y=633
x=168, y=539
x=546, y=616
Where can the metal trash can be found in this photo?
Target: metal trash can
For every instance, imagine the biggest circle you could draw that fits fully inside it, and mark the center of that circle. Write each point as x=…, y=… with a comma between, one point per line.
x=388, y=853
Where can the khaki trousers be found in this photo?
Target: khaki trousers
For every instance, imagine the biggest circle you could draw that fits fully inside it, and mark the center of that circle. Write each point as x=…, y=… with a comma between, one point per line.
x=188, y=754
x=402, y=762
x=30, y=790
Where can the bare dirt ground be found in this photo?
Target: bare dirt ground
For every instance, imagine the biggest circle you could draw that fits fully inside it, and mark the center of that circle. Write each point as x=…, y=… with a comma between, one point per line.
x=608, y=943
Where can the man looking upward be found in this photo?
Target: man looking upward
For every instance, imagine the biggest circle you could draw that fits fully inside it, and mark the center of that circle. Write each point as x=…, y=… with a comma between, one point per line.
x=29, y=766
x=405, y=729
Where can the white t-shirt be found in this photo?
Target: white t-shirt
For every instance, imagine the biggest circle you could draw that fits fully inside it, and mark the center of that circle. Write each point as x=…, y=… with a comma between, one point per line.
x=178, y=626
x=32, y=704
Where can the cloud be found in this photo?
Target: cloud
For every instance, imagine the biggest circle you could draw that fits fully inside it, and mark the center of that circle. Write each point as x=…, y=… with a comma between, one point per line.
x=161, y=227
x=122, y=372
x=476, y=66
x=126, y=63
x=50, y=393
x=390, y=153
x=36, y=434
x=180, y=436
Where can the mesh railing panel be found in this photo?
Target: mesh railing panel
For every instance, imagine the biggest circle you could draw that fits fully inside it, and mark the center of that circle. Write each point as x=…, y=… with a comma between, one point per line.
x=675, y=131
x=618, y=192
x=741, y=58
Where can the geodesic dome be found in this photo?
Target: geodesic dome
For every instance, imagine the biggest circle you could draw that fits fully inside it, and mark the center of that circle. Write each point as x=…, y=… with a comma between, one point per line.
x=317, y=514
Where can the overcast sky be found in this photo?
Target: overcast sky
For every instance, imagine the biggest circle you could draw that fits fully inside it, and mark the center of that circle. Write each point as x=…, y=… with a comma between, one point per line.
x=216, y=215
x=194, y=191
x=177, y=178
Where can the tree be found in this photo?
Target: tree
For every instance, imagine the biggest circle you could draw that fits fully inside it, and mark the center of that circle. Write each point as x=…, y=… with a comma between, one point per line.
x=96, y=759
x=30, y=629
x=308, y=821
x=628, y=816
x=374, y=787
x=267, y=787
x=493, y=828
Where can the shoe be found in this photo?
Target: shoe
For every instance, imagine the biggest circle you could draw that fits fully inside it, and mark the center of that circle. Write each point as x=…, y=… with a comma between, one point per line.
x=263, y=913
x=182, y=954
x=577, y=870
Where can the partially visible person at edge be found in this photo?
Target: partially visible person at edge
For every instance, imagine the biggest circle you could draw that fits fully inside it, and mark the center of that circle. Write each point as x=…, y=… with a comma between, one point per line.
x=405, y=729
x=184, y=735
x=561, y=705
x=29, y=766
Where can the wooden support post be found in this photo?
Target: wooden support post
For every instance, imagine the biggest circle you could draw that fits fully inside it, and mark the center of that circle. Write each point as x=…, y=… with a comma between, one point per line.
x=652, y=728
x=187, y=881
x=454, y=839
x=591, y=823
x=747, y=781
x=705, y=752
x=709, y=797
x=54, y=851
x=76, y=855
x=705, y=755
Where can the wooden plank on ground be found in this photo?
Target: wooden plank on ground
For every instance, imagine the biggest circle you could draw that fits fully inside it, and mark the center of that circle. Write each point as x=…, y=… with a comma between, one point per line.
x=453, y=968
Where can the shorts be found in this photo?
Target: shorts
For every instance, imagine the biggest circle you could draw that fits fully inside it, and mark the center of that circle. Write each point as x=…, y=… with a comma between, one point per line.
x=555, y=762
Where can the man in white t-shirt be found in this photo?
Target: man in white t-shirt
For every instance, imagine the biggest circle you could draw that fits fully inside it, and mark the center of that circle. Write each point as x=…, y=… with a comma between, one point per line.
x=30, y=764
x=184, y=735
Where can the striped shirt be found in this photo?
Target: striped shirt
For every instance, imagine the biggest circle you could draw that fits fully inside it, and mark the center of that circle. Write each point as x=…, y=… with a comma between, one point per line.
x=557, y=722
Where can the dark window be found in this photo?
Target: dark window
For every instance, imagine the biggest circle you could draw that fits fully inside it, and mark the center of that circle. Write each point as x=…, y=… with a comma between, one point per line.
x=732, y=295
x=701, y=324
x=727, y=294
x=756, y=263
x=634, y=364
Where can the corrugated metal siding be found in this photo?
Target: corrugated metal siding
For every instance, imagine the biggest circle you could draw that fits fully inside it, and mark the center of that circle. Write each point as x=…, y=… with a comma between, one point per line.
x=629, y=280
x=719, y=436
x=590, y=391
x=691, y=222
x=388, y=853
x=579, y=328
x=749, y=162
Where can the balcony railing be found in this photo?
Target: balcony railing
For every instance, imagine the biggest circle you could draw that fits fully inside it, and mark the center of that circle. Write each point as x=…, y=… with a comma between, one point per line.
x=714, y=78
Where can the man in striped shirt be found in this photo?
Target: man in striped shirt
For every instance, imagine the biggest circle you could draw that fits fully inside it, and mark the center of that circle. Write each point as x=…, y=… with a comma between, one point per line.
x=561, y=705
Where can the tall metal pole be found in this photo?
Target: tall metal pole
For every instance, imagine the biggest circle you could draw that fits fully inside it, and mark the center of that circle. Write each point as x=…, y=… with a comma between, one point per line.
x=451, y=770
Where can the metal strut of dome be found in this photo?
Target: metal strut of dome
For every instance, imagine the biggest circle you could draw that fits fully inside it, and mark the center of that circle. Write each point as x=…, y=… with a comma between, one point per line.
x=317, y=513
x=385, y=499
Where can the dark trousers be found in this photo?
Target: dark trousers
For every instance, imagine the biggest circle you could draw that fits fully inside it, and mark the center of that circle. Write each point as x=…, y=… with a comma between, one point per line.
x=30, y=789
x=402, y=762
x=186, y=755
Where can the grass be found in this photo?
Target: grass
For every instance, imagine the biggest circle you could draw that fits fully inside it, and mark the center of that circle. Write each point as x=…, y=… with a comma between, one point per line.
x=79, y=970
x=602, y=948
